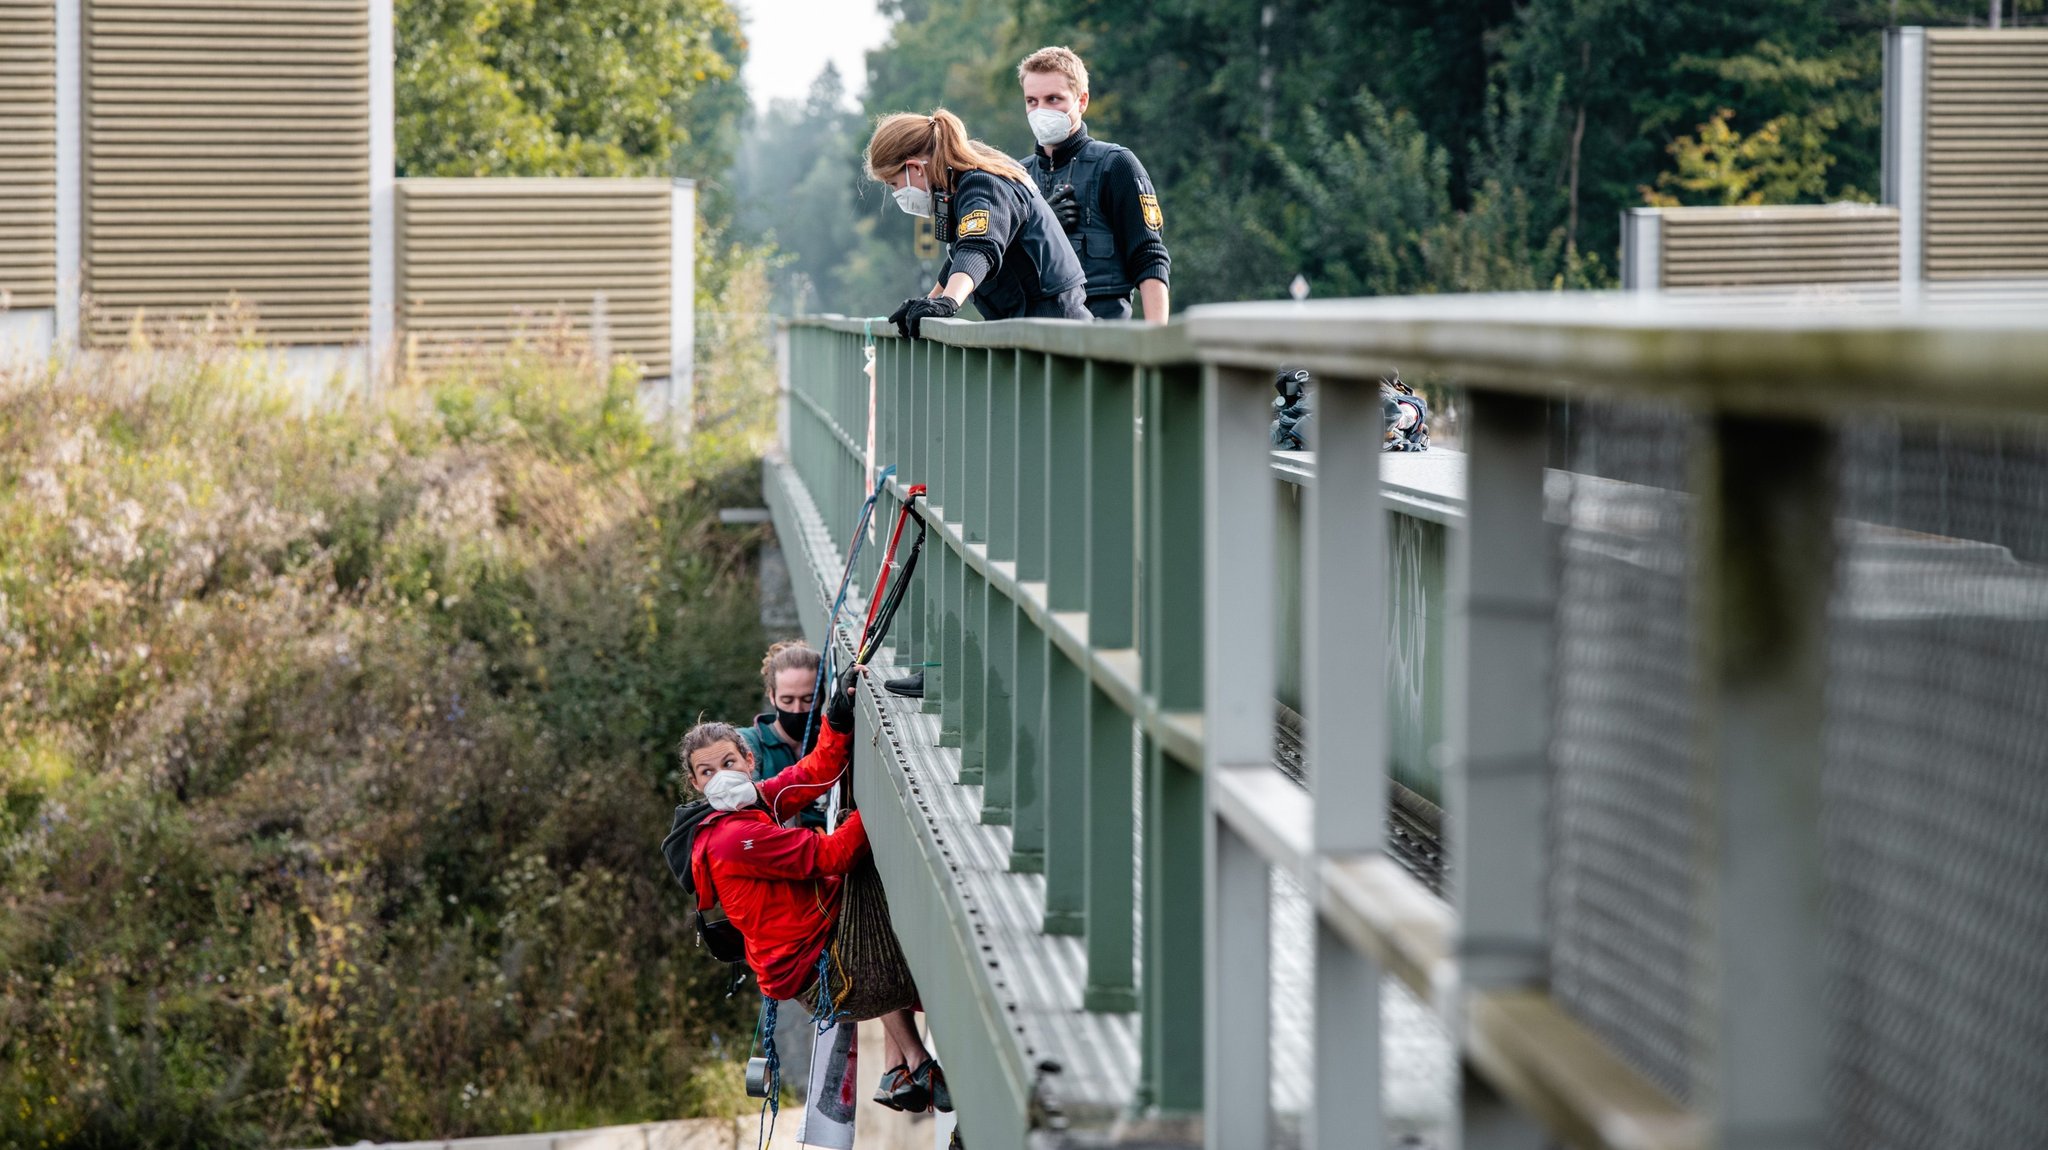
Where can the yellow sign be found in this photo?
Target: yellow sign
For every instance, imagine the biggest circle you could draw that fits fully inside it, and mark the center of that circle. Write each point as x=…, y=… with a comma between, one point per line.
x=974, y=223
x=1150, y=206
x=926, y=243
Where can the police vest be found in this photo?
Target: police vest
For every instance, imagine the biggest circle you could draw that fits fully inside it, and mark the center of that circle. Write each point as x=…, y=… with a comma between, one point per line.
x=1094, y=242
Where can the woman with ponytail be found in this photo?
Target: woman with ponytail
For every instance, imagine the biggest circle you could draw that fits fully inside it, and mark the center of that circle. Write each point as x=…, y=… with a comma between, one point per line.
x=1006, y=248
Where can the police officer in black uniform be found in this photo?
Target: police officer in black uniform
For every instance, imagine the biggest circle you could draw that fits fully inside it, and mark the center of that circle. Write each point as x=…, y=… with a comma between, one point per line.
x=1007, y=249
x=1100, y=191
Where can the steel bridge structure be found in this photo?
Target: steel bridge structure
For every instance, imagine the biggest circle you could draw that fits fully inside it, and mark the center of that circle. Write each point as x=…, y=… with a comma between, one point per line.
x=1718, y=652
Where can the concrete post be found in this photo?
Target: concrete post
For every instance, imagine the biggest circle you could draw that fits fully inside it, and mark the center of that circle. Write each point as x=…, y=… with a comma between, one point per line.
x=70, y=171
x=383, y=196
x=682, y=303
x=1642, y=249
x=1905, y=146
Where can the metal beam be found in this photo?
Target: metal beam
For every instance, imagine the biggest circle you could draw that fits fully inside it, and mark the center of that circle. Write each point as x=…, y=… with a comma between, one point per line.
x=1237, y=617
x=1764, y=523
x=1498, y=777
x=1344, y=642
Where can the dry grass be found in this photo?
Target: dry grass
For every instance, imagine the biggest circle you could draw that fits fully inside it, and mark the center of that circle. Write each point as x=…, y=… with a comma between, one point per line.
x=332, y=752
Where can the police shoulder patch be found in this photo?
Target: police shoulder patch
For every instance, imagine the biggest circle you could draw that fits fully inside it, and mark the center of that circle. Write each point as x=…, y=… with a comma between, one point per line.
x=974, y=223
x=1150, y=206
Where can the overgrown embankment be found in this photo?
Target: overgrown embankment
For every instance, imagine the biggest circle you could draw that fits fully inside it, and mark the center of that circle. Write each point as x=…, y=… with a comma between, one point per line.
x=334, y=754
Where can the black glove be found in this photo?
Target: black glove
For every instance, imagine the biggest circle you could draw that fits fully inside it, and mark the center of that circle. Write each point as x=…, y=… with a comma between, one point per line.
x=913, y=312
x=1065, y=207
x=839, y=712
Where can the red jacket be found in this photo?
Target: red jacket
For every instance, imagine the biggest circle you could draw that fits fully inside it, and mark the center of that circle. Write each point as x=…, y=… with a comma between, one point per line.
x=780, y=885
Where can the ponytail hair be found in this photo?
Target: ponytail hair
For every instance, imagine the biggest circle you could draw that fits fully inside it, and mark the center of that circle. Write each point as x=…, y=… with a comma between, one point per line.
x=940, y=140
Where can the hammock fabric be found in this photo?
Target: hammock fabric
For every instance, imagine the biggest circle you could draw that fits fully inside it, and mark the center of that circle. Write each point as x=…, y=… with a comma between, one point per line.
x=868, y=974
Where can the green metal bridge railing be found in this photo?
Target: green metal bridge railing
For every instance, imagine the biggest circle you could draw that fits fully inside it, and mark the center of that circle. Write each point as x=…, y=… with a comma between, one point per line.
x=1059, y=532
x=1079, y=823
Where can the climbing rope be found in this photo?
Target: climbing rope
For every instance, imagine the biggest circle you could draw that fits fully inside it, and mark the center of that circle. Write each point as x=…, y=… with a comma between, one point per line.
x=771, y=1106
x=882, y=611
x=860, y=528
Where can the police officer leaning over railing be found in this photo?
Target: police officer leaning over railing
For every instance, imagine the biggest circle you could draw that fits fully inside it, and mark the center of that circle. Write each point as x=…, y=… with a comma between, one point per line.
x=1098, y=190
x=1006, y=249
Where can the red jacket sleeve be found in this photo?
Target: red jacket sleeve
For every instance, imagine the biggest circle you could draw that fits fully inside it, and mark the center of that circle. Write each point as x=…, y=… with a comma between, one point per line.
x=797, y=786
x=766, y=851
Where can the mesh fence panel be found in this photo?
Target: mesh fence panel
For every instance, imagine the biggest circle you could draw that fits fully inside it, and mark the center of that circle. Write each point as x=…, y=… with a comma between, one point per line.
x=1935, y=790
x=1621, y=837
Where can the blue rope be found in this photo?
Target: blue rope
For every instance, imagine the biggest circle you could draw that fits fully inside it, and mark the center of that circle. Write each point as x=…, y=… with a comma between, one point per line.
x=822, y=1014
x=771, y=1107
x=860, y=533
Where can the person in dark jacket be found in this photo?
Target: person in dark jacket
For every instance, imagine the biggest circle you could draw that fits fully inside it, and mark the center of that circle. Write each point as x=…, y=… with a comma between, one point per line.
x=1007, y=251
x=789, y=676
x=1099, y=191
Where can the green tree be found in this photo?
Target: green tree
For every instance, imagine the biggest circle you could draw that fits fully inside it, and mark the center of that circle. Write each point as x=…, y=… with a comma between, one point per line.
x=1783, y=162
x=1550, y=117
x=562, y=88
x=846, y=248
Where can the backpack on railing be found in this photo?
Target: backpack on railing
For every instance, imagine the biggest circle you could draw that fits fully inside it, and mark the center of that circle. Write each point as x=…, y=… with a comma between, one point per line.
x=718, y=936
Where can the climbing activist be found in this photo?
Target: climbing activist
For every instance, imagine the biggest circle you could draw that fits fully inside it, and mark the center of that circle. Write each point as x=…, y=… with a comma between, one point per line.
x=777, y=738
x=1006, y=250
x=807, y=904
x=1099, y=191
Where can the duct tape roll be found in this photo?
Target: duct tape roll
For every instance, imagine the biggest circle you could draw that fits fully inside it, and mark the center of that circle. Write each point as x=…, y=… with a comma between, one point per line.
x=757, y=1078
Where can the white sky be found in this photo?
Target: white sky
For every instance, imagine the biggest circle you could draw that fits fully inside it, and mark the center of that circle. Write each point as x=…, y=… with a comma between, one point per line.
x=791, y=40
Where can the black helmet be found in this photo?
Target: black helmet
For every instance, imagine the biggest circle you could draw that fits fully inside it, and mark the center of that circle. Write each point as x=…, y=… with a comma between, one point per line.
x=1291, y=382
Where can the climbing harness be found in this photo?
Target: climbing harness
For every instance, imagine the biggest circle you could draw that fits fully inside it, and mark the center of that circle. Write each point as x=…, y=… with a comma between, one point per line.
x=862, y=973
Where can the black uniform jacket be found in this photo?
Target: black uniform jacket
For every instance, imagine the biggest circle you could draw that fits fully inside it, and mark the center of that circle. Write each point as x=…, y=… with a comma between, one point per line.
x=1119, y=237
x=1011, y=245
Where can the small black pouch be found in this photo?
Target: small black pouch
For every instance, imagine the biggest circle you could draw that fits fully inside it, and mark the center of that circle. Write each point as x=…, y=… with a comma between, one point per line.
x=721, y=939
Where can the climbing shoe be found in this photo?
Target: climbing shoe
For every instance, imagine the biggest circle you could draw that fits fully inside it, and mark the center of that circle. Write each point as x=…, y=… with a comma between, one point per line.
x=932, y=1081
x=909, y=686
x=899, y=1091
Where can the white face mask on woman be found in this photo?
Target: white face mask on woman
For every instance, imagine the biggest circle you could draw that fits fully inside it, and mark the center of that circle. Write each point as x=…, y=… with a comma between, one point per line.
x=730, y=791
x=1049, y=126
x=913, y=201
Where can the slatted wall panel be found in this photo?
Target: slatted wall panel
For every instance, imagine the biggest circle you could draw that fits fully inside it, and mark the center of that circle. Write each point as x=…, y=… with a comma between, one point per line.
x=28, y=153
x=1987, y=153
x=479, y=259
x=1803, y=244
x=228, y=151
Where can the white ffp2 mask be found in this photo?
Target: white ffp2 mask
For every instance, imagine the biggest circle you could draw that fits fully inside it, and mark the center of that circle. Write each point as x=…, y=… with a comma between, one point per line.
x=1049, y=127
x=914, y=201
x=730, y=791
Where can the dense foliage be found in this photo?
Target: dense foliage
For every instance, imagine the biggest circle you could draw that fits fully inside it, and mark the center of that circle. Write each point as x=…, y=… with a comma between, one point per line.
x=567, y=88
x=334, y=750
x=1370, y=145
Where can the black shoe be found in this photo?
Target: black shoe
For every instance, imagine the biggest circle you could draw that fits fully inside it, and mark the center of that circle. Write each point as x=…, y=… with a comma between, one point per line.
x=933, y=1080
x=898, y=1091
x=909, y=686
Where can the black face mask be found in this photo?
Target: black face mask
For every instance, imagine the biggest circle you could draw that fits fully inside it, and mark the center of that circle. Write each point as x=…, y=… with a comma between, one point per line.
x=792, y=724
